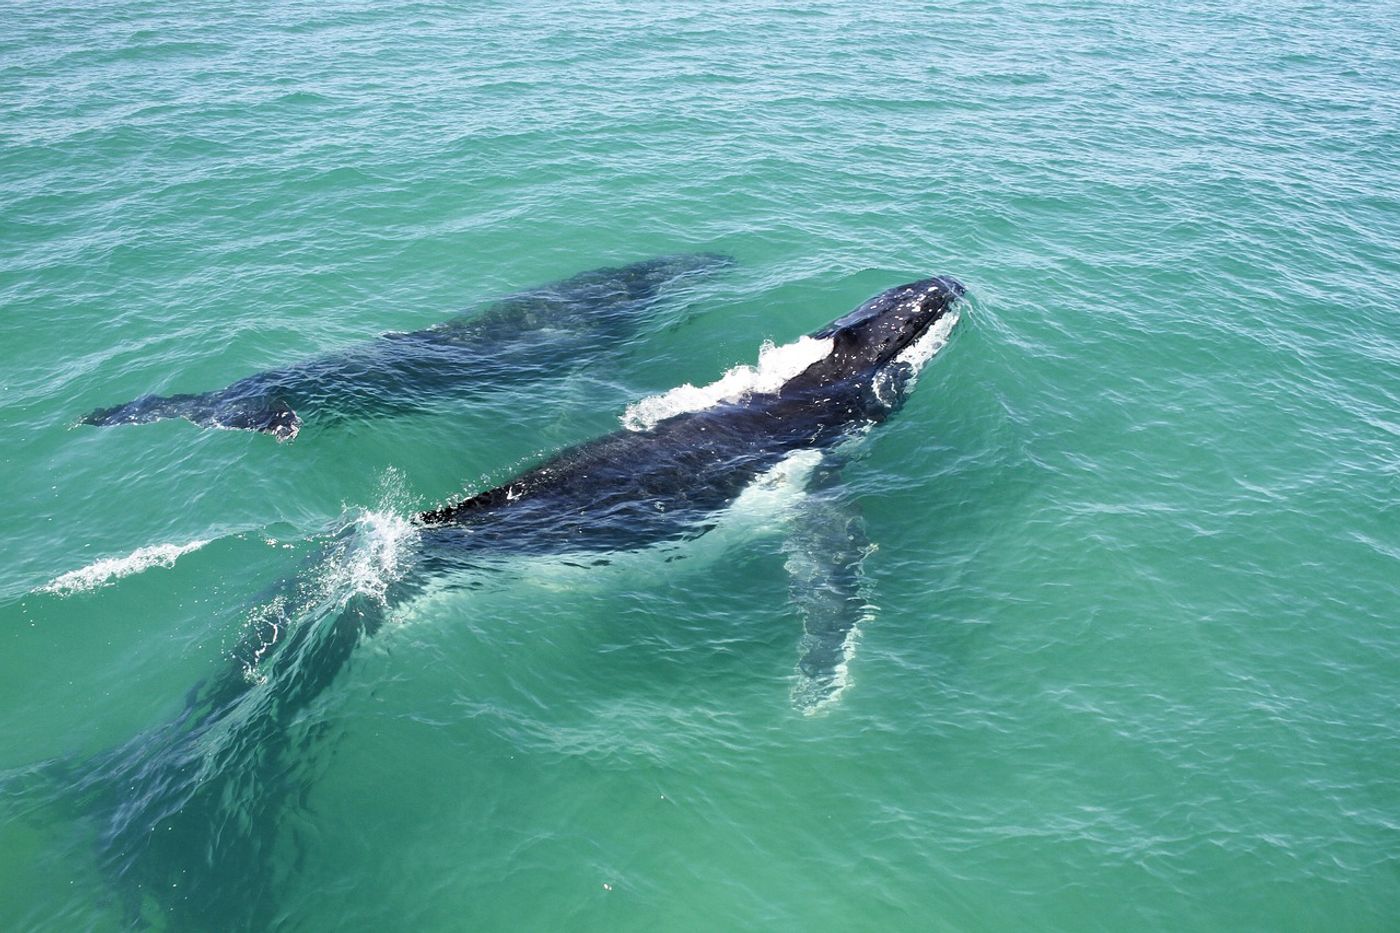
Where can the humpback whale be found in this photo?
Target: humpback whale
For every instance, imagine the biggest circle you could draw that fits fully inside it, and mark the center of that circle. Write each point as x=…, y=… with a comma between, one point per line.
x=189, y=812
x=544, y=331
x=634, y=488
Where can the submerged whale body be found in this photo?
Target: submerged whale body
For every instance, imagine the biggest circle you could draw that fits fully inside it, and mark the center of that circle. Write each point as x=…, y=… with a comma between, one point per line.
x=190, y=812
x=537, y=333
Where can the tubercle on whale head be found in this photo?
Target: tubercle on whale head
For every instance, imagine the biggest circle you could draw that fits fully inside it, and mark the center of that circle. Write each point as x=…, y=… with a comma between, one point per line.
x=880, y=329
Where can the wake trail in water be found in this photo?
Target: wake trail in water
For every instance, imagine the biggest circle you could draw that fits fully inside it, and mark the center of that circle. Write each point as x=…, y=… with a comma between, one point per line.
x=108, y=569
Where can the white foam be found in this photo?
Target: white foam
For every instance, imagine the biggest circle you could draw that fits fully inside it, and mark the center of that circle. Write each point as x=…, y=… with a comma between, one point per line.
x=776, y=365
x=366, y=556
x=382, y=547
x=375, y=549
x=102, y=572
x=380, y=555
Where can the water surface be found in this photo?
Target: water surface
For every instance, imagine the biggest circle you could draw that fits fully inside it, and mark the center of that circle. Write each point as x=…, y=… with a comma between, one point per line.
x=1132, y=663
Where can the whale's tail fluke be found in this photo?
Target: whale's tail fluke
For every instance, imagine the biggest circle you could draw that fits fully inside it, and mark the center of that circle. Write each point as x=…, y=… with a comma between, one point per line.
x=193, y=820
x=211, y=410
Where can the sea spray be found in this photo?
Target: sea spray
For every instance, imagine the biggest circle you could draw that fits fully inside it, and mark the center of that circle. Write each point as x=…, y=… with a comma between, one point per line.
x=364, y=557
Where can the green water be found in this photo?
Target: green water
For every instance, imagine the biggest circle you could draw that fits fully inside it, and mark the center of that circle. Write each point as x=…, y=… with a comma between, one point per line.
x=1133, y=660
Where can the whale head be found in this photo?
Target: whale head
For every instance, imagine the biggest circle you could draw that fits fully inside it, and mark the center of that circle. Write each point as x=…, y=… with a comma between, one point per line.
x=877, y=348
x=879, y=331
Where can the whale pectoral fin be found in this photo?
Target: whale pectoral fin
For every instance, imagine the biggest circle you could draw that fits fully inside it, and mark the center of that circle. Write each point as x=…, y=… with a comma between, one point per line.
x=826, y=548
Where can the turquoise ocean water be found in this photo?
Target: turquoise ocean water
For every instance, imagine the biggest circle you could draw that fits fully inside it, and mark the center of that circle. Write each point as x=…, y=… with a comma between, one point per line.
x=1133, y=659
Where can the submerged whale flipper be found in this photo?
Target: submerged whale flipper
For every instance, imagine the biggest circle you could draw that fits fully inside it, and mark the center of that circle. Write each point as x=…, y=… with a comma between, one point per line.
x=826, y=547
x=543, y=332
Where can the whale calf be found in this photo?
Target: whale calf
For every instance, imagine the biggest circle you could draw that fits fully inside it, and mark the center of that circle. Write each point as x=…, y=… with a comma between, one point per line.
x=542, y=332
